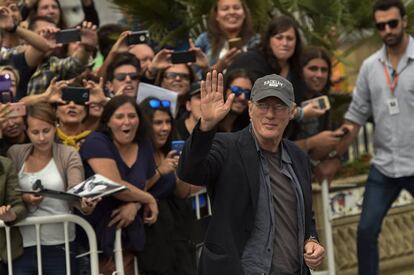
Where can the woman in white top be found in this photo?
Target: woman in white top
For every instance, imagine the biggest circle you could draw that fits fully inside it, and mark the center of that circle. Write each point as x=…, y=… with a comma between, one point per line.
x=57, y=167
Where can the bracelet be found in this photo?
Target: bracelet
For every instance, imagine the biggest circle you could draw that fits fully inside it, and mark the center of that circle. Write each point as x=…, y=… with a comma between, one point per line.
x=158, y=170
x=299, y=114
x=13, y=29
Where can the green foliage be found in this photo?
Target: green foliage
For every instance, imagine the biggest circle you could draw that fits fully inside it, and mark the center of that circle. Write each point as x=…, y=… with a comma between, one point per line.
x=327, y=23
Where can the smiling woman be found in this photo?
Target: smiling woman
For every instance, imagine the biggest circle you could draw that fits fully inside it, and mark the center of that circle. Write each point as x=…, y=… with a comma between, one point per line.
x=228, y=19
x=120, y=151
x=165, y=251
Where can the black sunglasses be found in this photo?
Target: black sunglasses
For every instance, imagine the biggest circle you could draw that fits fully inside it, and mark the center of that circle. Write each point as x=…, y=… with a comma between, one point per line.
x=122, y=76
x=239, y=90
x=392, y=24
x=155, y=103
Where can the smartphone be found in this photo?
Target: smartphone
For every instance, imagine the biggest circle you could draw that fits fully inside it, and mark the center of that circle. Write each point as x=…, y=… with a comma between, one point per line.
x=5, y=82
x=321, y=101
x=139, y=37
x=79, y=95
x=183, y=57
x=345, y=131
x=6, y=97
x=235, y=43
x=177, y=145
x=17, y=109
x=67, y=36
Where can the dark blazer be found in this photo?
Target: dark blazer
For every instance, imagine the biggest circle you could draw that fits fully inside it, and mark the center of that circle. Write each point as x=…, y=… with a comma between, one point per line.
x=228, y=164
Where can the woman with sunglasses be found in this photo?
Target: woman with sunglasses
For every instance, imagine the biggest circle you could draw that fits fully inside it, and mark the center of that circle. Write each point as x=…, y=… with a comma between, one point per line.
x=177, y=78
x=168, y=249
x=53, y=166
x=240, y=83
x=120, y=151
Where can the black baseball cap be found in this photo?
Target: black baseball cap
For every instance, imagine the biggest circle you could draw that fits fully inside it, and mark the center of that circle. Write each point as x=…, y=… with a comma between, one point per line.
x=273, y=85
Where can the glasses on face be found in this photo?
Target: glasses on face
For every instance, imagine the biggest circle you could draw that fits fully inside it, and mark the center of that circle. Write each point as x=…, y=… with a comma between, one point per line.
x=278, y=108
x=172, y=75
x=239, y=90
x=155, y=103
x=123, y=76
x=392, y=24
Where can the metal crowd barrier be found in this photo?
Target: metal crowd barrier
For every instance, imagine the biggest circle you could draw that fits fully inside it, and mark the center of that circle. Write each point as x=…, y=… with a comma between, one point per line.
x=65, y=219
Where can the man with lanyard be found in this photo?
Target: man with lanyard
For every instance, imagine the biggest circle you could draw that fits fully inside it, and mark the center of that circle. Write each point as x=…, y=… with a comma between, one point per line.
x=385, y=91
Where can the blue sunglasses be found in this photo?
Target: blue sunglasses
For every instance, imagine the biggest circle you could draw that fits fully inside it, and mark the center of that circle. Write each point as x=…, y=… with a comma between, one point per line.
x=156, y=103
x=238, y=91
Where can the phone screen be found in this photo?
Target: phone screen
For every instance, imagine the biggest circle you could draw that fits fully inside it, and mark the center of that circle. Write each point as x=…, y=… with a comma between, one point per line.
x=5, y=82
x=183, y=57
x=321, y=103
x=177, y=145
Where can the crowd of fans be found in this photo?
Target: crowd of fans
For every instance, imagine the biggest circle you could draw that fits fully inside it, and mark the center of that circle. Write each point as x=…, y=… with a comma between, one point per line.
x=61, y=142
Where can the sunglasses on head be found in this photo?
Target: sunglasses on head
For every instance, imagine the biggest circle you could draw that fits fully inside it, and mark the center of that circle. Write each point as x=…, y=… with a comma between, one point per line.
x=123, y=76
x=239, y=90
x=392, y=24
x=156, y=103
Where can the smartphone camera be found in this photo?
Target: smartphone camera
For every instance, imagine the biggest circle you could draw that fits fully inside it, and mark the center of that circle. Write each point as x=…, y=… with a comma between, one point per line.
x=140, y=37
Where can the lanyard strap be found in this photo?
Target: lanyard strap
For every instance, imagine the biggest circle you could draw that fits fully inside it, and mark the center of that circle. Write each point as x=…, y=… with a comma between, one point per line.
x=392, y=85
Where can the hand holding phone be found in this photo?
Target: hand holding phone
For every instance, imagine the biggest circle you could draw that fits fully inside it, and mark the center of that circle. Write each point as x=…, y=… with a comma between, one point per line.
x=322, y=102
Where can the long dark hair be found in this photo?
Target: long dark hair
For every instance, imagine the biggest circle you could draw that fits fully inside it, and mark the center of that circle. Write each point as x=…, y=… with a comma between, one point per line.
x=61, y=24
x=281, y=24
x=215, y=34
x=113, y=105
x=148, y=114
x=316, y=52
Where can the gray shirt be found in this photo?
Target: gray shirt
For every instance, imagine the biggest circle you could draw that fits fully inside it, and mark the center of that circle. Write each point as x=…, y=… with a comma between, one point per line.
x=393, y=137
x=285, y=259
x=258, y=253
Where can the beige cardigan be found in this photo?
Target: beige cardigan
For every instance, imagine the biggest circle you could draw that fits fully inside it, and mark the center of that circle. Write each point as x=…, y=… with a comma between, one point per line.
x=67, y=160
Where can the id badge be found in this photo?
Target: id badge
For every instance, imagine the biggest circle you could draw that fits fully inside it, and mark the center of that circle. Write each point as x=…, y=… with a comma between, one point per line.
x=393, y=108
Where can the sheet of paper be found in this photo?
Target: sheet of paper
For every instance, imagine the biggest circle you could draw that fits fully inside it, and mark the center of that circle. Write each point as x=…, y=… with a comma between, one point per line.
x=147, y=90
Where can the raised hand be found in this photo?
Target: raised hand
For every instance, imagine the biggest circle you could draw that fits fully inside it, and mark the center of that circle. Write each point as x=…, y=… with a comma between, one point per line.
x=97, y=94
x=201, y=57
x=213, y=106
x=89, y=37
x=53, y=93
x=121, y=45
